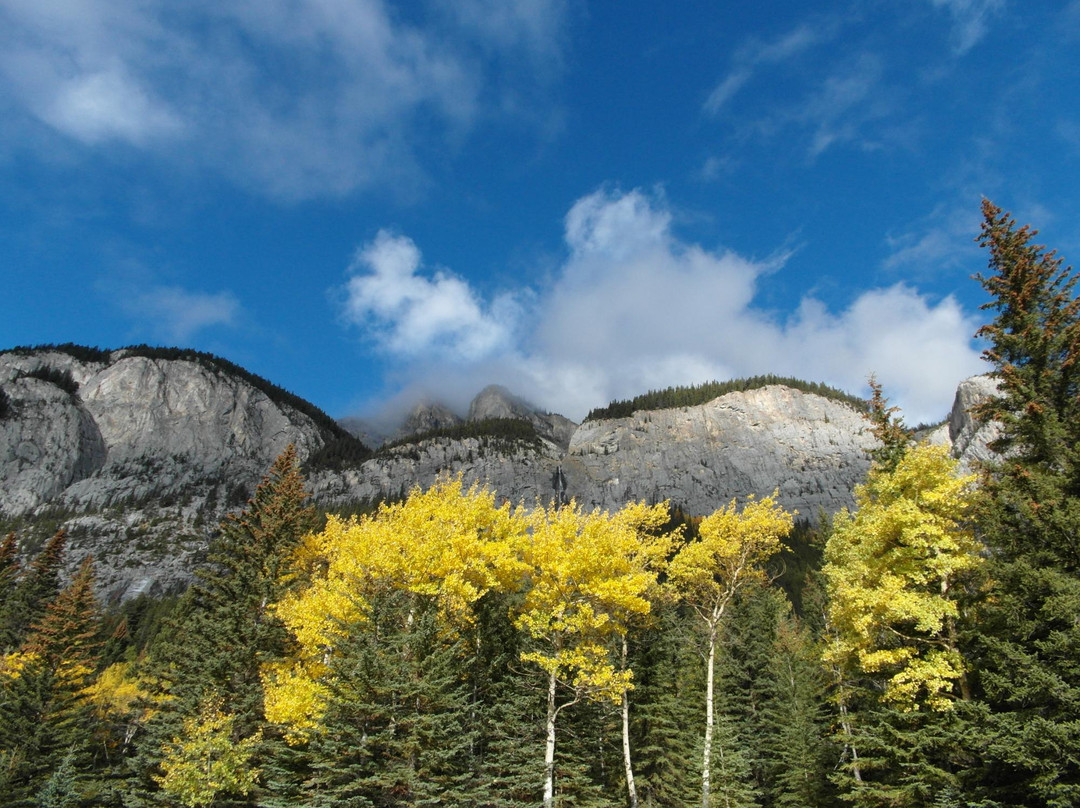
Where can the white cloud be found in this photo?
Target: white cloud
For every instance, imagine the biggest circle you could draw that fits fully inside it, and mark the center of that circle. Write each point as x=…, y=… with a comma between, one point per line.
x=297, y=99
x=411, y=315
x=635, y=308
x=971, y=19
x=174, y=314
x=107, y=105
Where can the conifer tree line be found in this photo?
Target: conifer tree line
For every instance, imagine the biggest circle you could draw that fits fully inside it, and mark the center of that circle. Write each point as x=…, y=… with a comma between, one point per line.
x=451, y=650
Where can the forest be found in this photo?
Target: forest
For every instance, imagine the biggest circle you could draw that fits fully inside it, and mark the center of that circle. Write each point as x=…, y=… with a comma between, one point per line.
x=920, y=649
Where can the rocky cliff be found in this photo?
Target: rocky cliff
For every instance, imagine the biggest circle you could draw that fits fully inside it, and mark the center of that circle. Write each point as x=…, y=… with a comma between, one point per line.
x=811, y=450
x=135, y=456
x=139, y=456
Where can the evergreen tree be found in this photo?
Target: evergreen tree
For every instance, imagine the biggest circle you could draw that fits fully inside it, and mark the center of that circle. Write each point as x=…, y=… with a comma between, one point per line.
x=708, y=574
x=799, y=755
x=396, y=731
x=888, y=427
x=32, y=592
x=669, y=678
x=9, y=567
x=223, y=630
x=1029, y=638
x=44, y=710
x=508, y=712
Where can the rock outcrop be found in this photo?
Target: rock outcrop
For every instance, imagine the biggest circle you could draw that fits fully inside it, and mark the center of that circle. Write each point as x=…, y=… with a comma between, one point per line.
x=136, y=456
x=427, y=416
x=810, y=449
x=495, y=401
x=140, y=456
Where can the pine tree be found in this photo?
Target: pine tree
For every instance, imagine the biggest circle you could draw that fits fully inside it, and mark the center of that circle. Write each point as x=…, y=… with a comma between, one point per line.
x=223, y=630
x=44, y=711
x=32, y=592
x=1029, y=638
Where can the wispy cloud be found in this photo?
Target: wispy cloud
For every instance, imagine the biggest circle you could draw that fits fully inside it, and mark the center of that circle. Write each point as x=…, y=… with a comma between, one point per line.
x=830, y=99
x=174, y=315
x=635, y=308
x=939, y=241
x=971, y=20
x=756, y=54
x=844, y=103
x=299, y=99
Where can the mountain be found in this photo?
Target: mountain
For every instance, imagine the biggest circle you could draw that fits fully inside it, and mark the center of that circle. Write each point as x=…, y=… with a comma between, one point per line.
x=138, y=453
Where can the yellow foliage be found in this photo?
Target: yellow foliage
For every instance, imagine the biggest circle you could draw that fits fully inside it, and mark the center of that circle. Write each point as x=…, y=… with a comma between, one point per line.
x=589, y=574
x=205, y=761
x=114, y=693
x=445, y=543
x=295, y=698
x=731, y=552
x=585, y=576
x=891, y=570
x=12, y=665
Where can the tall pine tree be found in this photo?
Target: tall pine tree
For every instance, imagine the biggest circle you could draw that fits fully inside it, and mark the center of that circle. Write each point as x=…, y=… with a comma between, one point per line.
x=1029, y=639
x=224, y=629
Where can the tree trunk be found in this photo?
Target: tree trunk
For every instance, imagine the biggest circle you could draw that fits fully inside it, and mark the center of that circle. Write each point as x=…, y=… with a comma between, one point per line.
x=631, y=789
x=549, y=749
x=709, y=719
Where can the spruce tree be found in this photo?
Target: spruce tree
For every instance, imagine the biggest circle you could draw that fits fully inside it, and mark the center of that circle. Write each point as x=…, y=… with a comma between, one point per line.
x=44, y=709
x=1029, y=638
x=32, y=592
x=9, y=566
x=224, y=630
x=396, y=731
x=669, y=678
x=799, y=753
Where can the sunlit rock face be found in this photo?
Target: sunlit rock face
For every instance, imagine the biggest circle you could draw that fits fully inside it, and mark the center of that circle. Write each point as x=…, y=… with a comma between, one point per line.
x=811, y=450
x=140, y=458
x=135, y=457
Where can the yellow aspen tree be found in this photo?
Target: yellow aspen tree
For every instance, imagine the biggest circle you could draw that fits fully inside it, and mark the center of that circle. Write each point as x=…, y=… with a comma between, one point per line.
x=707, y=574
x=206, y=761
x=892, y=571
x=445, y=543
x=650, y=553
x=587, y=576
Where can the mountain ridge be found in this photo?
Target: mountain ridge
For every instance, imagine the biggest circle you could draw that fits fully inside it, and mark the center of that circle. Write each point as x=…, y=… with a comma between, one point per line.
x=140, y=456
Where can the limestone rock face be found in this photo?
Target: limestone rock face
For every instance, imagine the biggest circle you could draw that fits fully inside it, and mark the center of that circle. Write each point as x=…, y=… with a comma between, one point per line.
x=810, y=449
x=519, y=473
x=143, y=456
x=136, y=428
x=971, y=438
x=47, y=443
x=139, y=458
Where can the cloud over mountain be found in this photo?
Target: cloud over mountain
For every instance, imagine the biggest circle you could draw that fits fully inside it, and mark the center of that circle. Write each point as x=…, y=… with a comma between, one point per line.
x=633, y=307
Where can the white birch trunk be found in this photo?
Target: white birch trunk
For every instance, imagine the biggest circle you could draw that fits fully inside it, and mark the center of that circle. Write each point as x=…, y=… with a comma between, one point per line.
x=549, y=749
x=709, y=719
x=631, y=789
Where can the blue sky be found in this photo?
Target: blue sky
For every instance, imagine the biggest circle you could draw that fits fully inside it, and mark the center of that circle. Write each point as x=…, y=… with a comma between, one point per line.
x=365, y=202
